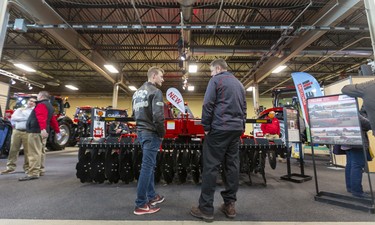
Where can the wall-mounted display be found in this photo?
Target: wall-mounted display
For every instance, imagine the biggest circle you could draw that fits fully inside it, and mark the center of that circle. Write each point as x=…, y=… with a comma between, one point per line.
x=334, y=120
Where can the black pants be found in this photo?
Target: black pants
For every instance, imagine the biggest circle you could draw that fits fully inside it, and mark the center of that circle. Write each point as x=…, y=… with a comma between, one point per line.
x=219, y=147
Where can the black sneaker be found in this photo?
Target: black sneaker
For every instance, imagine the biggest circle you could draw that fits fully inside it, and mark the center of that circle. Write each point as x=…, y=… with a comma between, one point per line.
x=28, y=178
x=196, y=212
x=362, y=195
x=156, y=200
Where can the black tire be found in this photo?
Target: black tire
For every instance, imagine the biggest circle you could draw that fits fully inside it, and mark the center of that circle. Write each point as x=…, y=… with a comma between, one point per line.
x=65, y=129
x=73, y=139
x=271, y=154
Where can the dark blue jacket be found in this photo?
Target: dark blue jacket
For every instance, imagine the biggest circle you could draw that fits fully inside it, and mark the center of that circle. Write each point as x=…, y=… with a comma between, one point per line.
x=224, y=104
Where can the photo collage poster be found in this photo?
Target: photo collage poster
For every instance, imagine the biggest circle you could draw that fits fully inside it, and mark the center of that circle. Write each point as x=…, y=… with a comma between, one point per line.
x=334, y=120
x=291, y=125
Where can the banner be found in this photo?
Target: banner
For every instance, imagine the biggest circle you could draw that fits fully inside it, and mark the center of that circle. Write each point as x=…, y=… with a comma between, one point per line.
x=175, y=97
x=307, y=87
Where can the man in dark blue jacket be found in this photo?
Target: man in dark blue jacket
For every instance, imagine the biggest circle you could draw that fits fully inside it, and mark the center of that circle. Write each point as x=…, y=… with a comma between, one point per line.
x=223, y=120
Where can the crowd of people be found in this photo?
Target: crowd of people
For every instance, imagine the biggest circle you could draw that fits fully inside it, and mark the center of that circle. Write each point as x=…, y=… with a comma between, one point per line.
x=31, y=129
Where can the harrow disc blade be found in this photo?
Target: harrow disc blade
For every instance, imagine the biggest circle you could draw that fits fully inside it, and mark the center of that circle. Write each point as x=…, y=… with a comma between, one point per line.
x=83, y=167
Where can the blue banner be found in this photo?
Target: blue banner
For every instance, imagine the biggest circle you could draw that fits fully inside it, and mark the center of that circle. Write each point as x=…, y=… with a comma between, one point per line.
x=306, y=86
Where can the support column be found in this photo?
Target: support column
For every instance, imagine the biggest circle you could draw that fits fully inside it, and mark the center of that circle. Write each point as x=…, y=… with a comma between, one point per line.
x=256, y=98
x=4, y=18
x=370, y=12
x=115, y=95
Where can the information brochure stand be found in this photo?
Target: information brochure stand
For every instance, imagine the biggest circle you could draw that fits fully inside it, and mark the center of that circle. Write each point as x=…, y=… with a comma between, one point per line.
x=334, y=120
x=292, y=135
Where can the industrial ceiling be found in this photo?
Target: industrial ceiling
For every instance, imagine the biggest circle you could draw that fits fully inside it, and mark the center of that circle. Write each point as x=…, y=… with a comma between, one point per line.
x=70, y=41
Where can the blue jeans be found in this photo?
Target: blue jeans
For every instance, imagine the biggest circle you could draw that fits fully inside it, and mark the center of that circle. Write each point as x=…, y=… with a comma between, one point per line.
x=150, y=143
x=355, y=162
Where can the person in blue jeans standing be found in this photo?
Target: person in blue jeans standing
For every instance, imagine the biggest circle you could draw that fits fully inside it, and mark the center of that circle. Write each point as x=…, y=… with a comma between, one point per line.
x=148, y=112
x=355, y=160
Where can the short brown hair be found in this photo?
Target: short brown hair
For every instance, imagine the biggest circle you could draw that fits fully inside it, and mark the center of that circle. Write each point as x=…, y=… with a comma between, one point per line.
x=219, y=62
x=153, y=70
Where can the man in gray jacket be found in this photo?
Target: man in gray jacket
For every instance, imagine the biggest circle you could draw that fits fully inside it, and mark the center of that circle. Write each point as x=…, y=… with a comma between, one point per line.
x=19, y=137
x=366, y=91
x=223, y=120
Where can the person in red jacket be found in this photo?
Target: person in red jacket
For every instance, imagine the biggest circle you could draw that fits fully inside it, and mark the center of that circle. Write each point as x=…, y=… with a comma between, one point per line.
x=271, y=130
x=38, y=125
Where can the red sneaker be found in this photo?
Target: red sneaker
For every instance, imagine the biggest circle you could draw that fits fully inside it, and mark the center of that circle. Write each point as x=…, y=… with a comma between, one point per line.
x=156, y=200
x=146, y=209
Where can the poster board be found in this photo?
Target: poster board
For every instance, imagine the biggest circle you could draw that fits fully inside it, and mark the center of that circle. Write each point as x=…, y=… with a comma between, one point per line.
x=335, y=88
x=4, y=92
x=334, y=120
x=291, y=125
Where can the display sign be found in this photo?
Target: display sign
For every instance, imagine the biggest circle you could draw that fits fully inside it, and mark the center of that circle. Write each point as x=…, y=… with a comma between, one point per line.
x=292, y=133
x=334, y=120
x=175, y=97
x=97, y=126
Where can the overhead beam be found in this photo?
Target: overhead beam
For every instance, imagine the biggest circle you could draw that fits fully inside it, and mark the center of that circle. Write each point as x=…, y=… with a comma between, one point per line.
x=69, y=38
x=322, y=18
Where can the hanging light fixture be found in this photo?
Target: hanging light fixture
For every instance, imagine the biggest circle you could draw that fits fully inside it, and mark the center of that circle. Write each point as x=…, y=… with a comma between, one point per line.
x=30, y=87
x=13, y=82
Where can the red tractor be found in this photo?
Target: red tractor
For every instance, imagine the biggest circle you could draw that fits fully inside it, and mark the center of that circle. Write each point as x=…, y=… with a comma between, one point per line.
x=81, y=124
x=65, y=123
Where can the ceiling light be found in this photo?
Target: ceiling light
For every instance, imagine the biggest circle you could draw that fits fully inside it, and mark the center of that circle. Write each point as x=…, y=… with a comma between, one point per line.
x=13, y=82
x=111, y=68
x=249, y=89
x=24, y=67
x=278, y=69
x=71, y=87
x=52, y=83
x=132, y=88
x=183, y=56
x=191, y=88
x=193, y=68
x=30, y=87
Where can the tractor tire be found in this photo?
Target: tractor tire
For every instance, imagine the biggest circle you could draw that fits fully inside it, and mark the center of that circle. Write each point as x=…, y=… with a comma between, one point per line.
x=73, y=139
x=53, y=143
x=271, y=154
